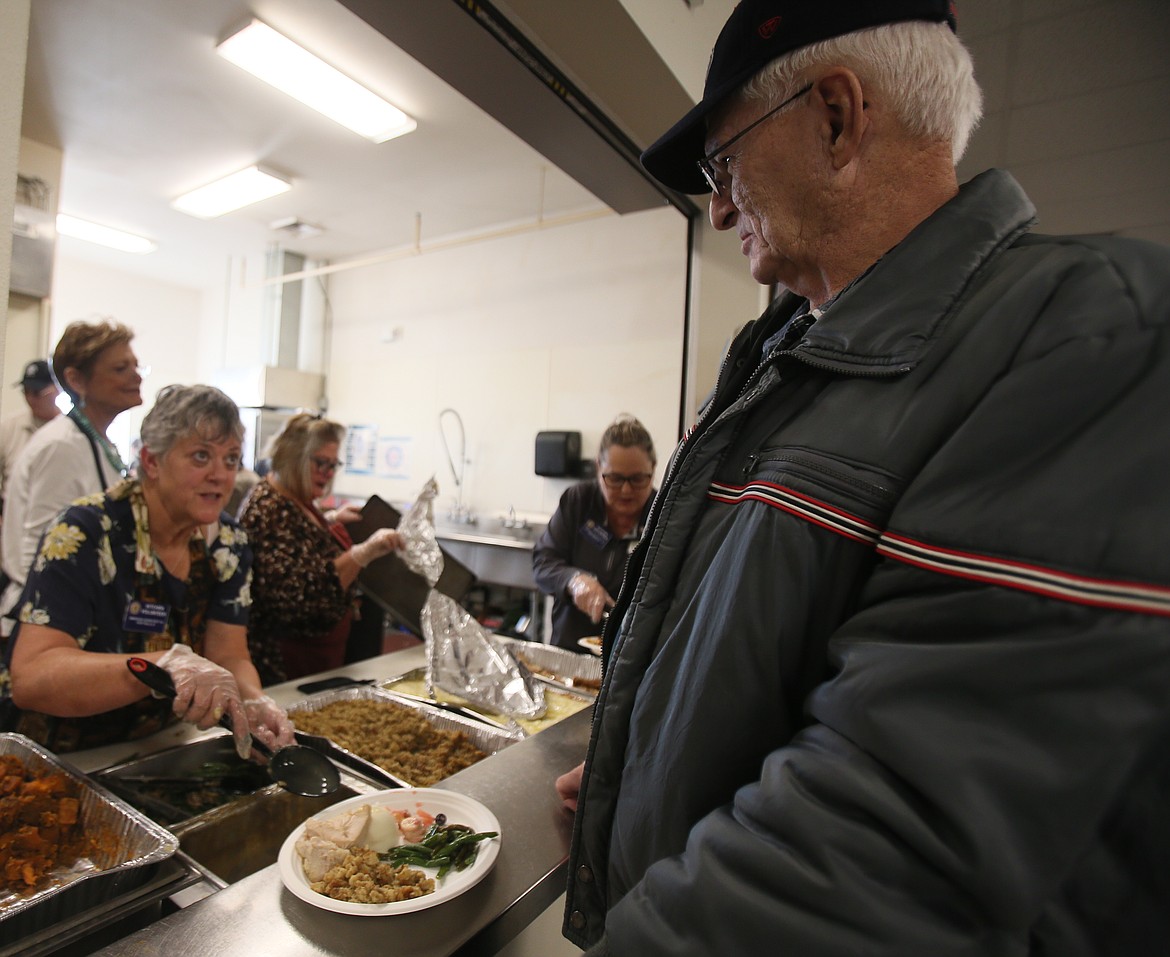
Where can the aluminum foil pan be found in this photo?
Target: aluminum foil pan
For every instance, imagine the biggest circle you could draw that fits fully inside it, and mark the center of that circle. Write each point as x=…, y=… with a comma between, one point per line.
x=485, y=737
x=134, y=848
x=557, y=666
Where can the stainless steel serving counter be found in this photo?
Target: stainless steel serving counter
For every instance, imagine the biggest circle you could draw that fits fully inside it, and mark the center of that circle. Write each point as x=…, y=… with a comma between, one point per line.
x=257, y=916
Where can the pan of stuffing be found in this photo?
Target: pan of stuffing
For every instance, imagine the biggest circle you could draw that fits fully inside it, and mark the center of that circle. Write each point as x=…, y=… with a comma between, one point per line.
x=66, y=843
x=416, y=743
x=392, y=852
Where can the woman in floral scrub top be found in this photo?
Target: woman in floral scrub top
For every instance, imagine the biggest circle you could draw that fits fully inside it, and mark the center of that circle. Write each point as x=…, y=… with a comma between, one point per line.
x=306, y=565
x=149, y=569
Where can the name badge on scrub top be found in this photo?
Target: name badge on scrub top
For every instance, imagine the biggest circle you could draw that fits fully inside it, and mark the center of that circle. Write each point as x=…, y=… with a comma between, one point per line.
x=146, y=616
x=595, y=534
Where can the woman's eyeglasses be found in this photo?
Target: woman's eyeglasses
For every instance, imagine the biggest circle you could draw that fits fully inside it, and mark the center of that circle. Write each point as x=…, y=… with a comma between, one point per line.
x=616, y=480
x=329, y=466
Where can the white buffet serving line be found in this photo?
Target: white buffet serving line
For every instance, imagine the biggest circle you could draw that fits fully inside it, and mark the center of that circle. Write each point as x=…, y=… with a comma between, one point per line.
x=258, y=916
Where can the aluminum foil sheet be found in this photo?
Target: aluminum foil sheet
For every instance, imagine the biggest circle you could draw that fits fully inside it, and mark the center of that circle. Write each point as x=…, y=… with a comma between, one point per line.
x=461, y=657
x=133, y=848
x=421, y=552
x=485, y=737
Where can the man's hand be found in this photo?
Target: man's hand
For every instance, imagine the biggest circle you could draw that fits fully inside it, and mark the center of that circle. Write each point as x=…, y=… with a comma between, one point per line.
x=569, y=785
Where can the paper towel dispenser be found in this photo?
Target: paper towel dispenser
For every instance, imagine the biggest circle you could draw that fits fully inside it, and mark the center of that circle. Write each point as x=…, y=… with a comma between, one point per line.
x=558, y=454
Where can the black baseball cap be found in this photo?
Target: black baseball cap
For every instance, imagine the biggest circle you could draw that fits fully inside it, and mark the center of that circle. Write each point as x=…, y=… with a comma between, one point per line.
x=36, y=376
x=755, y=34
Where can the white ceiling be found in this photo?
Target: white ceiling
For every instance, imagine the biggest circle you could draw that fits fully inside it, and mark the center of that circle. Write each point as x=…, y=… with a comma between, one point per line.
x=144, y=110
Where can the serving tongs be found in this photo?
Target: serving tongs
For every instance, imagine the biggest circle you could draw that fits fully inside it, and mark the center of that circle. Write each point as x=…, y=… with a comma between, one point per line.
x=296, y=768
x=355, y=762
x=155, y=807
x=511, y=728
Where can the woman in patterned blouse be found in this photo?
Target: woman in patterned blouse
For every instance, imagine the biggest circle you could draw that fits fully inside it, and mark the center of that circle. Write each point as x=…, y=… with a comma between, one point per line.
x=146, y=569
x=306, y=566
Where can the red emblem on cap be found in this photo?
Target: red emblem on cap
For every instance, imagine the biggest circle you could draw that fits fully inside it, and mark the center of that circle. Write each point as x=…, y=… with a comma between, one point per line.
x=769, y=27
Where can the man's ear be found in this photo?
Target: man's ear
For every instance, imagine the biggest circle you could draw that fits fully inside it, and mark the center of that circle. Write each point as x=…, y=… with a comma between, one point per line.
x=844, y=103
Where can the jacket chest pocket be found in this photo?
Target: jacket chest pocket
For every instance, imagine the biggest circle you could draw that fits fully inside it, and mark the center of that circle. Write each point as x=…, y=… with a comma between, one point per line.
x=835, y=481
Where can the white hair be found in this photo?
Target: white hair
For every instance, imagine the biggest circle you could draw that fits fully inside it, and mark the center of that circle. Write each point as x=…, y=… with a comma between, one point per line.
x=923, y=71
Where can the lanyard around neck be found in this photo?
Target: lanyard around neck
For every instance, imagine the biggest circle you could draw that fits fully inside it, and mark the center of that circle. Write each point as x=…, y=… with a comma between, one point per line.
x=94, y=436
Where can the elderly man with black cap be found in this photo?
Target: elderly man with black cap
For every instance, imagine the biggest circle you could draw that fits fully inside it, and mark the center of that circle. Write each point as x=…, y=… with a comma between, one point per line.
x=40, y=392
x=890, y=669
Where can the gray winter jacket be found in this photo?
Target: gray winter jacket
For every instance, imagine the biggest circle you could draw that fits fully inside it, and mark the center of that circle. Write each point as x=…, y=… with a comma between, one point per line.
x=893, y=669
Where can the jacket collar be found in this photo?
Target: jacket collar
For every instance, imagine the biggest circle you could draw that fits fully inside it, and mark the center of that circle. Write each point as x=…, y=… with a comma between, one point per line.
x=885, y=321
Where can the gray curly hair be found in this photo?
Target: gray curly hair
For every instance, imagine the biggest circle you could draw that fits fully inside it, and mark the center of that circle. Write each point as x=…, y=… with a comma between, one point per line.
x=182, y=410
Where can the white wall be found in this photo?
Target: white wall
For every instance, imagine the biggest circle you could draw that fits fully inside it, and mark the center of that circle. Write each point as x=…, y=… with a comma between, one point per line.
x=26, y=333
x=561, y=328
x=1076, y=94
x=558, y=329
x=13, y=45
x=723, y=294
x=165, y=319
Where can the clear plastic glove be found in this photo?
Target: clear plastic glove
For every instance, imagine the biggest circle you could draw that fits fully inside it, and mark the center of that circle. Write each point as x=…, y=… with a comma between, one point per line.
x=347, y=514
x=382, y=542
x=268, y=722
x=204, y=693
x=590, y=596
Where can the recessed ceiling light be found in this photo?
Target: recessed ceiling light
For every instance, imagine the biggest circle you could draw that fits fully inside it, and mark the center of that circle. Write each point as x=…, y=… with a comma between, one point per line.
x=275, y=59
x=241, y=188
x=104, y=235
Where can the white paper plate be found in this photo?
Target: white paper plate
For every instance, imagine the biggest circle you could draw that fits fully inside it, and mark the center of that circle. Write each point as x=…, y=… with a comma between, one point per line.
x=592, y=643
x=459, y=809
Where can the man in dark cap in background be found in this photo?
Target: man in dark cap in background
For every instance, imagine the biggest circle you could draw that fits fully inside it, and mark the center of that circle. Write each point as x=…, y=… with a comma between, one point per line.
x=40, y=392
x=889, y=671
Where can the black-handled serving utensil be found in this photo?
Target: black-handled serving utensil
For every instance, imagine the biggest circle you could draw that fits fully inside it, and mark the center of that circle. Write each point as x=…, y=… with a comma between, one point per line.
x=355, y=762
x=295, y=768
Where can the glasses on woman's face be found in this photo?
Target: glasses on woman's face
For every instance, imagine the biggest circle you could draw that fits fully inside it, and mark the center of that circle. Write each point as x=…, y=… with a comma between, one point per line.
x=616, y=480
x=328, y=466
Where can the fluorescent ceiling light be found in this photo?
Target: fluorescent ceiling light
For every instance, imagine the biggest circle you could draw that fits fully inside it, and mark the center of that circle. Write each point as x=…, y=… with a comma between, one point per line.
x=239, y=189
x=104, y=235
x=275, y=59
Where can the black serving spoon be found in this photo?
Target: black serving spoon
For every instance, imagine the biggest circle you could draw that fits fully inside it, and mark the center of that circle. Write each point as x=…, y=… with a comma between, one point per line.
x=295, y=768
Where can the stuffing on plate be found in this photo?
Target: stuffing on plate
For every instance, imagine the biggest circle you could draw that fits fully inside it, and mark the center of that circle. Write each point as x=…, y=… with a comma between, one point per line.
x=339, y=855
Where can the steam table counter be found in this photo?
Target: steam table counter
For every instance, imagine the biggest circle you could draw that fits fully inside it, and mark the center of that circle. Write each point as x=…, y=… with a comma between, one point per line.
x=258, y=916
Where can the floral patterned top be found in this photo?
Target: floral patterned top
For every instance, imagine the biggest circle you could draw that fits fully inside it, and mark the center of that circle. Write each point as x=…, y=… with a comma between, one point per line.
x=95, y=570
x=301, y=615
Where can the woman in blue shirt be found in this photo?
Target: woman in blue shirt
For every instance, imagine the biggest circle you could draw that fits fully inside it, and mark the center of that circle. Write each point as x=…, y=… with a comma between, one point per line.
x=149, y=568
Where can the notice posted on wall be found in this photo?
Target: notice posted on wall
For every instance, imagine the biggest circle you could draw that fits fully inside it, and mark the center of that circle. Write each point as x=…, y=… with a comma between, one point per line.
x=393, y=458
x=361, y=449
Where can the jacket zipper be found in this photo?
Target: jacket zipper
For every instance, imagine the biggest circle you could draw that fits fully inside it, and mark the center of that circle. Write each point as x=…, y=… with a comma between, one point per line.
x=684, y=447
